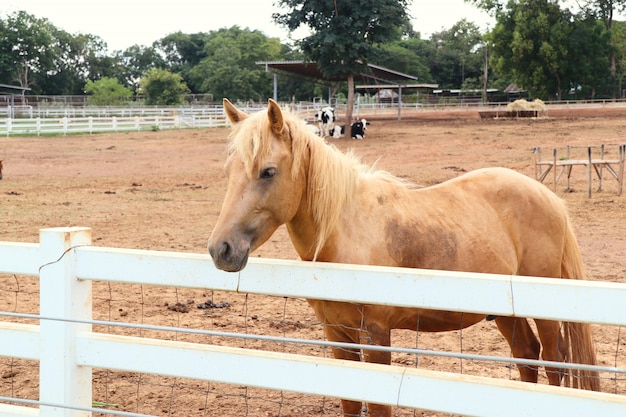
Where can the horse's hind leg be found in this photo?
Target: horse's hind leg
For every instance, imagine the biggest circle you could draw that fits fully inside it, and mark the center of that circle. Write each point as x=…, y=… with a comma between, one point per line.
x=523, y=343
x=554, y=348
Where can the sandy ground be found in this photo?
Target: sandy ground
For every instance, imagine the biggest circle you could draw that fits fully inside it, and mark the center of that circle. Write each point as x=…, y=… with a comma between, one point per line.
x=163, y=191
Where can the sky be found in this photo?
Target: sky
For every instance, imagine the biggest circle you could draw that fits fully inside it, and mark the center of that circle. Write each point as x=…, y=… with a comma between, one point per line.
x=123, y=23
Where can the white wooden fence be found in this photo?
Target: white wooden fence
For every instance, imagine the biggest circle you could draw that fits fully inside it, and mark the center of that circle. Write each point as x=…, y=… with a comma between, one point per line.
x=67, y=349
x=75, y=125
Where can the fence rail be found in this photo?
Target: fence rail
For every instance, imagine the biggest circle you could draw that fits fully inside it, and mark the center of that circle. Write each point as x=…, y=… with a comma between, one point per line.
x=93, y=119
x=76, y=125
x=67, y=348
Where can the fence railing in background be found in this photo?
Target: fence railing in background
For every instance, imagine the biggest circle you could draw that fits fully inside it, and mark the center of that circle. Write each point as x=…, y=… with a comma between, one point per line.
x=68, y=349
x=76, y=125
x=92, y=119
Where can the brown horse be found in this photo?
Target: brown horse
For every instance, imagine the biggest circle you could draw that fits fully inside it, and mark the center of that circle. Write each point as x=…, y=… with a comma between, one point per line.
x=338, y=210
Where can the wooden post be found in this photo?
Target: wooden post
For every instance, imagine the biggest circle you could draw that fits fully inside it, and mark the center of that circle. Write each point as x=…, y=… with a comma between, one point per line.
x=554, y=167
x=589, y=169
x=62, y=297
x=600, y=168
x=568, y=168
x=620, y=180
x=537, y=154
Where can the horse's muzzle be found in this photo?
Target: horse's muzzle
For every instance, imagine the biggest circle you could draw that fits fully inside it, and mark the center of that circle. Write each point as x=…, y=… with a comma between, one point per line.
x=228, y=257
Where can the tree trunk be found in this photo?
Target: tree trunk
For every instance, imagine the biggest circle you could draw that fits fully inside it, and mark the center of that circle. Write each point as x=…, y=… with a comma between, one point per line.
x=349, y=104
x=485, y=74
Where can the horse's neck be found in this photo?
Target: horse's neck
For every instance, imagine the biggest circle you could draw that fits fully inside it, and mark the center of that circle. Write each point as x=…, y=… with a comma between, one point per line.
x=303, y=237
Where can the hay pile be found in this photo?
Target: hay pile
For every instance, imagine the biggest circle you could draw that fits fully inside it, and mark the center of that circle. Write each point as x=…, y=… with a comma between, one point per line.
x=522, y=104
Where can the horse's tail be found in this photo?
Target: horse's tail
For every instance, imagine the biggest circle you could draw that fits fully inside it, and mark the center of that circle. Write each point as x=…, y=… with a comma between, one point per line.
x=579, y=335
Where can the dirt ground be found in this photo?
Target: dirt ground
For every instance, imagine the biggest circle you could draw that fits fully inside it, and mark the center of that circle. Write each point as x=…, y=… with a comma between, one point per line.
x=163, y=190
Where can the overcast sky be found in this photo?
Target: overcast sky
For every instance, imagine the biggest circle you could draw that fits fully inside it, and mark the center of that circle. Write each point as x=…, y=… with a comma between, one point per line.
x=123, y=23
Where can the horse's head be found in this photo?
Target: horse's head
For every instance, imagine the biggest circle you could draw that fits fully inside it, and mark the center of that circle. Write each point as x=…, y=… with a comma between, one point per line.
x=265, y=185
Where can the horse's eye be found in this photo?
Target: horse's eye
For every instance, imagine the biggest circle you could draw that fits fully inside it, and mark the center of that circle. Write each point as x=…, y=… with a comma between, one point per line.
x=268, y=172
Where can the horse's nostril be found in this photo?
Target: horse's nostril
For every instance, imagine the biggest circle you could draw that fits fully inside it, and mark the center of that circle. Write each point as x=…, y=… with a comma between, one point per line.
x=226, y=251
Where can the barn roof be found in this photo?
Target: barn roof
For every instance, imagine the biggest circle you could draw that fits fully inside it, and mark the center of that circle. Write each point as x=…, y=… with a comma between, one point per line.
x=372, y=73
x=13, y=87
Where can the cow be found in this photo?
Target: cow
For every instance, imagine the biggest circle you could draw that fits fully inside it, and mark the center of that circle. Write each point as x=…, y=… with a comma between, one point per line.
x=337, y=131
x=326, y=119
x=357, y=130
x=314, y=129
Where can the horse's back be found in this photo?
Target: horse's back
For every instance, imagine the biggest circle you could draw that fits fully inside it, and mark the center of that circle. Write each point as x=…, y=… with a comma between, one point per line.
x=504, y=221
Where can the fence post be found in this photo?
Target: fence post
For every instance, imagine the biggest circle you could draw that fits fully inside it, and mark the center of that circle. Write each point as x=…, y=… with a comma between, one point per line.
x=63, y=296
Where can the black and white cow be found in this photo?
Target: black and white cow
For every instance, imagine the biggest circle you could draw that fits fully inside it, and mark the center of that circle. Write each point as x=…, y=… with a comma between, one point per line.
x=337, y=131
x=314, y=129
x=357, y=129
x=326, y=120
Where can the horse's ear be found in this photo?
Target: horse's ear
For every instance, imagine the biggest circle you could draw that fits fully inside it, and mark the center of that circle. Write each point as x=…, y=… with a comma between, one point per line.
x=233, y=113
x=275, y=115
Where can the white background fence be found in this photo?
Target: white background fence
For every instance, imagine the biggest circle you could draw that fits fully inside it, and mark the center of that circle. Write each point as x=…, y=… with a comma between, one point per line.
x=67, y=349
x=93, y=119
x=76, y=125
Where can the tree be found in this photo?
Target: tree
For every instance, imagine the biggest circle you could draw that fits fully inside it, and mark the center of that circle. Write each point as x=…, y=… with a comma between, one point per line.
x=135, y=61
x=182, y=52
x=405, y=56
x=107, y=92
x=25, y=46
x=591, y=48
x=530, y=46
x=344, y=33
x=573, y=46
x=604, y=10
x=230, y=68
x=162, y=87
x=76, y=57
x=457, y=56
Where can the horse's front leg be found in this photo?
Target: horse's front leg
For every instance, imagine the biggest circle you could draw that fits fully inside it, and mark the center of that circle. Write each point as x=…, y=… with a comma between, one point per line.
x=337, y=334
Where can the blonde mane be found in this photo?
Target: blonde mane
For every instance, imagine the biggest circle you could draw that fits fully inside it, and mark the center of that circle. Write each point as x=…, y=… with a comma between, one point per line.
x=333, y=176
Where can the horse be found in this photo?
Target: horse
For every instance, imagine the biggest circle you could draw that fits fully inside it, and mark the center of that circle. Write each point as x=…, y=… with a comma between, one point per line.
x=337, y=209
x=0, y=169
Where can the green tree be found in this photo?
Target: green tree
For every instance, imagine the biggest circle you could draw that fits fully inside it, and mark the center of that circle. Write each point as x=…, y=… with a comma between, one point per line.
x=162, y=87
x=25, y=46
x=530, y=45
x=107, y=92
x=230, y=68
x=343, y=33
x=182, y=52
x=576, y=40
x=605, y=11
x=457, y=56
x=75, y=57
x=135, y=61
x=591, y=49
x=404, y=56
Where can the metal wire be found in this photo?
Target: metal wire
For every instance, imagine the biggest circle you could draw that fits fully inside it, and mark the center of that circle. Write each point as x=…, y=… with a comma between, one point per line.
x=342, y=345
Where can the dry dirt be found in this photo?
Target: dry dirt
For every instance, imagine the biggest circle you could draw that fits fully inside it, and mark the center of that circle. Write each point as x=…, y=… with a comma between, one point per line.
x=163, y=191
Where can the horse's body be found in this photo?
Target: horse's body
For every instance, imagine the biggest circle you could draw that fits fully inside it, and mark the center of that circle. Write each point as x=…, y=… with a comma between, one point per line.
x=491, y=220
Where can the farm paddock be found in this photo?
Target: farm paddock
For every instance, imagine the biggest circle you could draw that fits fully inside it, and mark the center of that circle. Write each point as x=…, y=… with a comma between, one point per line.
x=163, y=191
